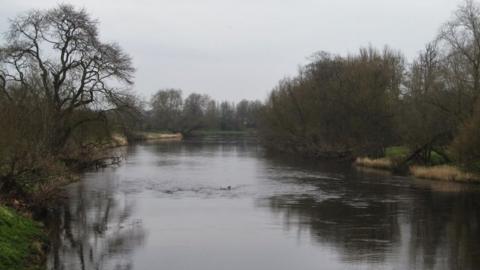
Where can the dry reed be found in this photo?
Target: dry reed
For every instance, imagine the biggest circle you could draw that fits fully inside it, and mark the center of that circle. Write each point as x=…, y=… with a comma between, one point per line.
x=443, y=172
x=380, y=163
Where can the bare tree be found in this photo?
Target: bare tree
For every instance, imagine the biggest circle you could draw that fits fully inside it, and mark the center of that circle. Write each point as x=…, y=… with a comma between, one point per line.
x=336, y=106
x=167, y=106
x=227, y=116
x=57, y=55
x=194, y=110
x=461, y=39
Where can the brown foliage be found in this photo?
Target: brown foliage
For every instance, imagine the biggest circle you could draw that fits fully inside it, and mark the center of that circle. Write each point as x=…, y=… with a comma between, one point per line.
x=336, y=106
x=443, y=173
x=466, y=145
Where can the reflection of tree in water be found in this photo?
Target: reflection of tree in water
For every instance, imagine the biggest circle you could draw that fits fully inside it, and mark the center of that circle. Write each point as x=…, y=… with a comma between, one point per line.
x=208, y=145
x=445, y=230
x=362, y=233
x=372, y=220
x=93, y=230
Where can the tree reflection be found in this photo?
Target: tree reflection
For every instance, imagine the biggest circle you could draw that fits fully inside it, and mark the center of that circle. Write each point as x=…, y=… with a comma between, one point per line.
x=360, y=233
x=93, y=229
x=384, y=220
x=445, y=228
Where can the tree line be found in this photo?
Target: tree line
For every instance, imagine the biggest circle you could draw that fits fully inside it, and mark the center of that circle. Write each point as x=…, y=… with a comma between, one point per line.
x=360, y=104
x=65, y=94
x=170, y=111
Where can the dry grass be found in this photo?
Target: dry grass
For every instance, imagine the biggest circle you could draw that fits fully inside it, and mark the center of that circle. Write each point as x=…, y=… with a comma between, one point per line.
x=380, y=163
x=119, y=140
x=443, y=172
x=154, y=136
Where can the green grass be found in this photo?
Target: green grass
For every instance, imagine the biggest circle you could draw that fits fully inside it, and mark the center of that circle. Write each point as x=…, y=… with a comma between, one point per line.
x=437, y=159
x=20, y=242
x=397, y=152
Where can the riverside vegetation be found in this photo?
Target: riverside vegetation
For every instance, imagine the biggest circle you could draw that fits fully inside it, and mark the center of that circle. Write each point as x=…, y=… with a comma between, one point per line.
x=362, y=104
x=66, y=99
x=21, y=241
x=63, y=93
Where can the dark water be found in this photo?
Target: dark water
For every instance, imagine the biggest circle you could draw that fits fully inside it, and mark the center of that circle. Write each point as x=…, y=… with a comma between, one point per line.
x=169, y=207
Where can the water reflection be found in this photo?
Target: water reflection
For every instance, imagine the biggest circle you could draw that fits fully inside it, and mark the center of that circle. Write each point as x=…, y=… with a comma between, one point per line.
x=445, y=230
x=388, y=222
x=178, y=193
x=93, y=229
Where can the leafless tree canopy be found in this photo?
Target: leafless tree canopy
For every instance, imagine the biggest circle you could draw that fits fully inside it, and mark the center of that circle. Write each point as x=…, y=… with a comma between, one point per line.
x=374, y=99
x=60, y=89
x=336, y=106
x=56, y=55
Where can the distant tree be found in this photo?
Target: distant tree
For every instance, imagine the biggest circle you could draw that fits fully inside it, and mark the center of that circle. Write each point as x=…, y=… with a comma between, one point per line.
x=173, y=113
x=194, y=112
x=227, y=116
x=246, y=113
x=242, y=114
x=212, y=115
x=254, y=110
x=167, y=109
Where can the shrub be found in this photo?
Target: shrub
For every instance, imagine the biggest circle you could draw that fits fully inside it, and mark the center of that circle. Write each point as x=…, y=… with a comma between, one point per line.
x=466, y=146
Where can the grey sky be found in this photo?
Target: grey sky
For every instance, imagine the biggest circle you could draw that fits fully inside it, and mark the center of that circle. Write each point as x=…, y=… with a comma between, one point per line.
x=235, y=49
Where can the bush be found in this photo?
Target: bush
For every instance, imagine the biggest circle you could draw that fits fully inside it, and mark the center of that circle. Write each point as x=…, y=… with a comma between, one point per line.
x=397, y=152
x=466, y=146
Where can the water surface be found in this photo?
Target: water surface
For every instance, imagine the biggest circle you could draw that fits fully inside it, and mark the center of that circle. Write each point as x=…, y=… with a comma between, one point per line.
x=227, y=205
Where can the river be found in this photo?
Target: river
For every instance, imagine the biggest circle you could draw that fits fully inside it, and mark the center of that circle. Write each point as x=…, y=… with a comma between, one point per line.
x=226, y=204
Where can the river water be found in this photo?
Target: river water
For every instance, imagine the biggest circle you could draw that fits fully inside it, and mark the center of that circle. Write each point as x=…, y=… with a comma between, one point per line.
x=225, y=204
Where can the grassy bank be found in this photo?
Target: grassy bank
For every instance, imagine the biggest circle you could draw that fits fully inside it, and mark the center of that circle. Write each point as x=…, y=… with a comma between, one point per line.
x=155, y=136
x=444, y=173
x=388, y=162
x=437, y=171
x=21, y=241
x=379, y=163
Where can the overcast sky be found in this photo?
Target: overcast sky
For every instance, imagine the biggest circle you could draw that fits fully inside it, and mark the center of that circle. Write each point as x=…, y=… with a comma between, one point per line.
x=235, y=49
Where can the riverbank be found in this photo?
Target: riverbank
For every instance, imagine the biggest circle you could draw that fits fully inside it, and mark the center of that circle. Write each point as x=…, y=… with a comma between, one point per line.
x=185, y=181
x=444, y=173
x=142, y=136
x=440, y=172
x=22, y=237
x=22, y=242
